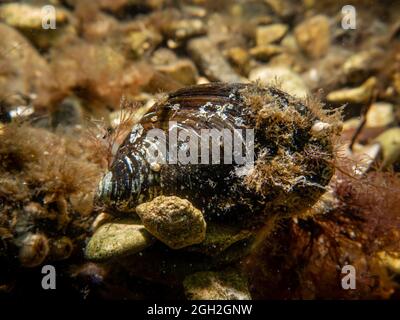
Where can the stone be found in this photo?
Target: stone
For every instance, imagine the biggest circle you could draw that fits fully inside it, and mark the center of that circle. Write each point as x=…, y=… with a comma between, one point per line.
x=100, y=27
x=390, y=144
x=255, y=10
x=283, y=8
x=101, y=219
x=99, y=69
x=270, y=33
x=396, y=82
x=194, y=11
x=24, y=71
x=313, y=36
x=390, y=260
x=163, y=56
x=365, y=156
x=289, y=81
x=380, y=114
x=183, y=71
x=360, y=65
x=143, y=41
x=210, y=60
x=116, y=239
x=183, y=29
x=223, y=285
x=361, y=94
x=219, y=238
x=289, y=43
x=26, y=16
x=172, y=220
x=28, y=19
x=264, y=53
x=239, y=57
x=118, y=6
x=285, y=60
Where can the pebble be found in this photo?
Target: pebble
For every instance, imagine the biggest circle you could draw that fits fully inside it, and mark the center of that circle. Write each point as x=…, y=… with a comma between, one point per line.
x=390, y=260
x=239, y=57
x=116, y=239
x=163, y=56
x=179, y=30
x=390, y=144
x=358, y=66
x=361, y=94
x=28, y=19
x=365, y=156
x=183, y=71
x=396, y=82
x=143, y=41
x=283, y=8
x=210, y=60
x=219, y=238
x=101, y=219
x=223, y=285
x=313, y=36
x=265, y=52
x=24, y=70
x=380, y=114
x=270, y=33
x=26, y=16
x=173, y=220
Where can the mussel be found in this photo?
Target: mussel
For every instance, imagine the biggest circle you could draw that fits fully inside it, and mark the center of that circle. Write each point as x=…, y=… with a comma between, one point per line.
x=237, y=152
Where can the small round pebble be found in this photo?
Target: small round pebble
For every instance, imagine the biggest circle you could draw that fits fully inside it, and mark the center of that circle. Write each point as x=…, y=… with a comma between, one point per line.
x=174, y=221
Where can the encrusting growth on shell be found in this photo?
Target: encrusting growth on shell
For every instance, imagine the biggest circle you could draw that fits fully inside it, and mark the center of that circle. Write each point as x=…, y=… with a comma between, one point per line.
x=295, y=161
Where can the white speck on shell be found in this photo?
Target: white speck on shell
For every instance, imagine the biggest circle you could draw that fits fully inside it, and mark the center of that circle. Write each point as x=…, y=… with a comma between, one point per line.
x=136, y=132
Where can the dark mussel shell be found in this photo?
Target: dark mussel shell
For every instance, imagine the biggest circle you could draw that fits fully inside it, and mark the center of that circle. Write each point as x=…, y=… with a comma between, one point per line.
x=218, y=189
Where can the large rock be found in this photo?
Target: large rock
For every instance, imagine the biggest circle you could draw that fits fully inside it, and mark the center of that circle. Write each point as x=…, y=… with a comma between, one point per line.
x=173, y=220
x=118, y=239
